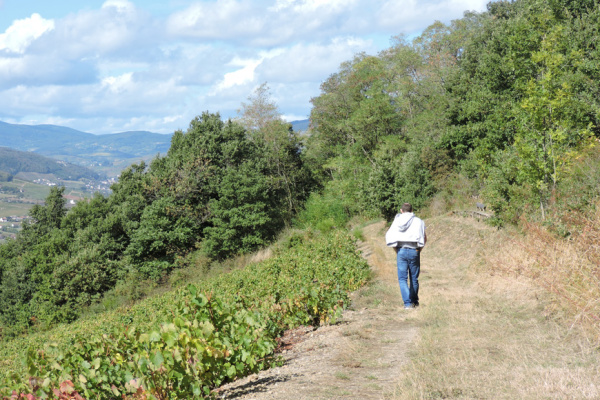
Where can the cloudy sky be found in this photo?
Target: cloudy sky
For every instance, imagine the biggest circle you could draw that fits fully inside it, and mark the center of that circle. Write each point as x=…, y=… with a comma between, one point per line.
x=118, y=65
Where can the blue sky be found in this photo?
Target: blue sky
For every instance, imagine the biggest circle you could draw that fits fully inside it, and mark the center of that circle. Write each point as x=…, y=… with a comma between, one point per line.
x=118, y=65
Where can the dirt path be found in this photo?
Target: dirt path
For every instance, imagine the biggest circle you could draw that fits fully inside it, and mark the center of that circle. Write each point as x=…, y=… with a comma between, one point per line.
x=485, y=335
x=476, y=335
x=361, y=357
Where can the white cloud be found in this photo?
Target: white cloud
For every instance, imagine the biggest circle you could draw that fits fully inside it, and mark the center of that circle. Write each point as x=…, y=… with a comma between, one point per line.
x=293, y=117
x=23, y=32
x=245, y=74
x=261, y=24
x=311, y=62
x=28, y=70
x=171, y=118
x=310, y=6
x=117, y=29
x=240, y=76
x=118, y=84
x=221, y=19
x=413, y=15
x=118, y=67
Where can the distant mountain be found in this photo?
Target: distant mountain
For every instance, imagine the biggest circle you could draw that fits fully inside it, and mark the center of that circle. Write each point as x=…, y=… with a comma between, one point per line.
x=300, y=125
x=107, y=153
x=14, y=162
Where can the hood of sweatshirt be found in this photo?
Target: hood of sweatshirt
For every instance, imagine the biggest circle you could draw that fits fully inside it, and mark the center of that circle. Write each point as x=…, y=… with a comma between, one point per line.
x=404, y=221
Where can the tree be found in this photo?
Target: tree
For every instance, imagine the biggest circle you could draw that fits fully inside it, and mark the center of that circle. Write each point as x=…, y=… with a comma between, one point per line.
x=49, y=216
x=546, y=131
x=280, y=145
x=356, y=108
x=260, y=111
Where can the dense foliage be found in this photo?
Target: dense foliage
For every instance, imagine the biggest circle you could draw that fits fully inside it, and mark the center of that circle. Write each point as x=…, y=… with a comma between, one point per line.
x=503, y=101
x=217, y=190
x=13, y=162
x=501, y=105
x=198, y=339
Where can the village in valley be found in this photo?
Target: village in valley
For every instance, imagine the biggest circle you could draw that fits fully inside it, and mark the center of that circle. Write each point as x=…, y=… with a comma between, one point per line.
x=9, y=226
x=18, y=196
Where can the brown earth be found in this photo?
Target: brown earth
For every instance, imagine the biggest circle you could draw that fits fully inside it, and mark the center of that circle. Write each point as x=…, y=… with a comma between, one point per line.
x=360, y=357
x=478, y=334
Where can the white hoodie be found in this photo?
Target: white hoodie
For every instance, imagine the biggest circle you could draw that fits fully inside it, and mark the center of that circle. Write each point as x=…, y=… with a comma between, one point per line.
x=406, y=228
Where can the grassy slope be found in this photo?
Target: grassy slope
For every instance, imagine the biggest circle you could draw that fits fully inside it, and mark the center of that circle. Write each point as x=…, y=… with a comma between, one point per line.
x=304, y=266
x=481, y=332
x=32, y=194
x=492, y=333
x=486, y=329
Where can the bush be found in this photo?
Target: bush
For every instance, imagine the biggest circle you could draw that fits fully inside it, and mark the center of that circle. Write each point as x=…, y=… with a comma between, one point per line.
x=183, y=345
x=323, y=212
x=396, y=181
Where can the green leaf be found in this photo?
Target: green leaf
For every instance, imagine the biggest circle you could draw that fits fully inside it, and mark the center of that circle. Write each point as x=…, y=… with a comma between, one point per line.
x=169, y=338
x=143, y=365
x=157, y=359
x=177, y=355
x=196, y=389
x=231, y=371
x=154, y=336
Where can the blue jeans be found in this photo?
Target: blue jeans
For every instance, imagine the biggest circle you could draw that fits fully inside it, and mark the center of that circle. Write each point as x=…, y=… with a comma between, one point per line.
x=409, y=267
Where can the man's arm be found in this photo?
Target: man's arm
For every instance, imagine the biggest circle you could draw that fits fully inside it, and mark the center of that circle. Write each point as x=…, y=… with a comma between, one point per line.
x=424, y=239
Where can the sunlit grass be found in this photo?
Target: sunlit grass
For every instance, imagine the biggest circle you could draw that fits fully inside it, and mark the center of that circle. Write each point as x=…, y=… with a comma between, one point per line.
x=491, y=336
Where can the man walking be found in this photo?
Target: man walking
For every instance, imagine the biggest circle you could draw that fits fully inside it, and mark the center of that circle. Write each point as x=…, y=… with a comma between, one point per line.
x=407, y=236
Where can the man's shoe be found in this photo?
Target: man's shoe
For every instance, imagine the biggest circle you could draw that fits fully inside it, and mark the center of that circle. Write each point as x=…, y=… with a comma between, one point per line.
x=409, y=306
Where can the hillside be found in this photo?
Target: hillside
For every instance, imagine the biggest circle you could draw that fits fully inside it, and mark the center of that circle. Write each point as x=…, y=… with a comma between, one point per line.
x=107, y=153
x=301, y=125
x=14, y=162
x=483, y=329
x=478, y=334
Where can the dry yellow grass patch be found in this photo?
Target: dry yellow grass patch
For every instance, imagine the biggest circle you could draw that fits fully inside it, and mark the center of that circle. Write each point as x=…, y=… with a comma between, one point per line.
x=567, y=269
x=486, y=336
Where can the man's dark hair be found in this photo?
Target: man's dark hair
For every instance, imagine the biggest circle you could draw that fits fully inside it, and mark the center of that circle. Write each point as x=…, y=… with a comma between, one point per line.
x=406, y=207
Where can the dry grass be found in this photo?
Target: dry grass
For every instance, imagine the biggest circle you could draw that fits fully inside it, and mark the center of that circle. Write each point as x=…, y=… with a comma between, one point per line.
x=485, y=336
x=568, y=270
x=485, y=329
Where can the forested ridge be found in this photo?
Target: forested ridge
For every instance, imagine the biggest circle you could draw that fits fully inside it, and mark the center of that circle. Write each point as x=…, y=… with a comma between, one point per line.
x=502, y=106
x=105, y=152
x=13, y=161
